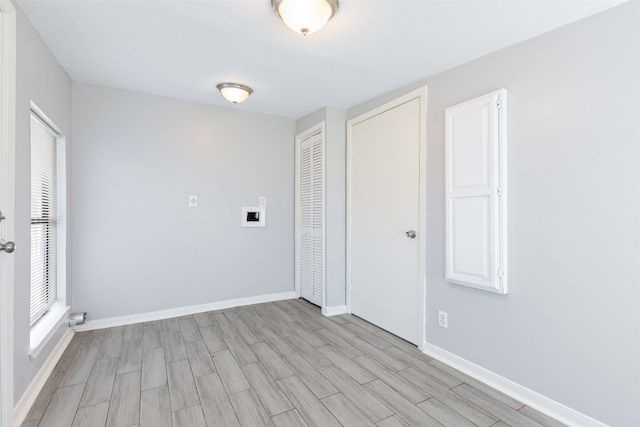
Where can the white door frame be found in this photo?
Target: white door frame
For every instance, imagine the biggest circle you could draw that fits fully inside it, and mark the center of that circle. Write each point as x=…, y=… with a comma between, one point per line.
x=420, y=94
x=318, y=128
x=7, y=202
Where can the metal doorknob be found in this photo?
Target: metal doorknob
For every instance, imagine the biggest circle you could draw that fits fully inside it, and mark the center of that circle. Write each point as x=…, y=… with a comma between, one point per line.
x=8, y=247
x=411, y=234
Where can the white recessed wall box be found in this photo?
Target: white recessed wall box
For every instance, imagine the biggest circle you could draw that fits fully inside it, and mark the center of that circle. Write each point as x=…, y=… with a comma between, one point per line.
x=254, y=217
x=476, y=193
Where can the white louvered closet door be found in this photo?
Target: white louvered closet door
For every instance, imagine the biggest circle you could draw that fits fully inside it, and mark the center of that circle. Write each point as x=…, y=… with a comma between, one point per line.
x=311, y=220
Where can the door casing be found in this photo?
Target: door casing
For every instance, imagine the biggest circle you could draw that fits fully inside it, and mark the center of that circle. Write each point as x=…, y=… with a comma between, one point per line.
x=7, y=205
x=421, y=94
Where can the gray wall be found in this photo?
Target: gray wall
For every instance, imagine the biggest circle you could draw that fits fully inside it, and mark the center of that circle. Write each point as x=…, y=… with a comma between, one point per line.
x=335, y=209
x=570, y=326
x=137, y=246
x=39, y=79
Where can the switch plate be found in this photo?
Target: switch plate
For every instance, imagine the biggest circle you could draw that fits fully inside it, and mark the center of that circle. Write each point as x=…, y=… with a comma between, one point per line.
x=442, y=319
x=262, y=202
x=193, y=201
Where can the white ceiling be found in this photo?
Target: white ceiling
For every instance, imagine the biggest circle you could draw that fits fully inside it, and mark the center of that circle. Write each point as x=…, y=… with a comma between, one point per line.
x=182, y=49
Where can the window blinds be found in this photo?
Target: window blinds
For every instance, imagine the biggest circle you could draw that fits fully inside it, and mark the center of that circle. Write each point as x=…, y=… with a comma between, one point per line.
x=44, y=290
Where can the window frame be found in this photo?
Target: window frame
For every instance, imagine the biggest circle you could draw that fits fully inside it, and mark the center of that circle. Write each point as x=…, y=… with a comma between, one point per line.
x=45, y=327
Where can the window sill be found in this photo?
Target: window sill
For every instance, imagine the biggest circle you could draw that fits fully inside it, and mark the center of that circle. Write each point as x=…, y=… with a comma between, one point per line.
x=44, y=329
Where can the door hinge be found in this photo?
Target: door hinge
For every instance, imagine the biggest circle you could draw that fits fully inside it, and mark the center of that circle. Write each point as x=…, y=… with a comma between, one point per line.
x=500, y=273
x=499, y=191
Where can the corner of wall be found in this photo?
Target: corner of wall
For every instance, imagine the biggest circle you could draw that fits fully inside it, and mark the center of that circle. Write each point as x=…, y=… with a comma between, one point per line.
x=42, y=80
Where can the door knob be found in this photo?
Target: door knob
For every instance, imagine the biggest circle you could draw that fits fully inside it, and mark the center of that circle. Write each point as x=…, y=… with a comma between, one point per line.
x=411, y=234
x=8, y=247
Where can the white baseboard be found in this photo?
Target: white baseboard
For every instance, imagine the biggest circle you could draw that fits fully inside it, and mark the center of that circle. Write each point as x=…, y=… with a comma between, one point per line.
x=550, y=407
x=335, y=310
x=24, y=405
x=181, y=311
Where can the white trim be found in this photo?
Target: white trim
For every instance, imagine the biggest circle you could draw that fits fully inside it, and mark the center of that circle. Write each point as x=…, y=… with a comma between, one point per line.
x=7, y=205
x=421, y=94
x=315, y=129
x=44, y=329
x=334, y=310
x=422, y=241
x=531, y=398
x=181, y=311
x=45, y=119
x=61, y=219
x=35, y=387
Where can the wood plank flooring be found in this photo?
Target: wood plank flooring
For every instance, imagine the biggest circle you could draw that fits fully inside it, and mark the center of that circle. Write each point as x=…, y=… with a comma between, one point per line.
x=273, y=364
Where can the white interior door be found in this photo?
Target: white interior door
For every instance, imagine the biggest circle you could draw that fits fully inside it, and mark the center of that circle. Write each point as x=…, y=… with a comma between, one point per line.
x=7, y=190
x=311, y=248
x=385, y=218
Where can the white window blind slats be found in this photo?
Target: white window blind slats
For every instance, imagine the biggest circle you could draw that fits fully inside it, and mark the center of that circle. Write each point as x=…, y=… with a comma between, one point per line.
x=44, y=185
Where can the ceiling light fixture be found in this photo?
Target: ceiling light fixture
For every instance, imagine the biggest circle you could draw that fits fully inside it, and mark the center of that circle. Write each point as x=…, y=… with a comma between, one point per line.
x=305, y=16
x=234, y=92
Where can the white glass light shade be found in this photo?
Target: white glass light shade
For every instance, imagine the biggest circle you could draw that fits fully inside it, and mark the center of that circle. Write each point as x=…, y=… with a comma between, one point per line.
x=234, y=92
x=305, y=16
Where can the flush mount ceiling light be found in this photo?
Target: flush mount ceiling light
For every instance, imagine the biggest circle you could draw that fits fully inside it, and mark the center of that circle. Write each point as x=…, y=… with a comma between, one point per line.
x=234, y=92
x=305, y=16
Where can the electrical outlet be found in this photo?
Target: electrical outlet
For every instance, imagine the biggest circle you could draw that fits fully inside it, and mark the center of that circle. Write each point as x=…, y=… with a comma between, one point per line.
x=442, y=318
x=193, y=201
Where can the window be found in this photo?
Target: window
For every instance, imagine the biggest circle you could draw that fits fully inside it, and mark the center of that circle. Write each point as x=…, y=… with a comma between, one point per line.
x=44, y=216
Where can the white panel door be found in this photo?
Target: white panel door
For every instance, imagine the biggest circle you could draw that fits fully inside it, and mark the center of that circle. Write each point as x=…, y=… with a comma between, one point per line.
x=311, y=219
x=384, y=208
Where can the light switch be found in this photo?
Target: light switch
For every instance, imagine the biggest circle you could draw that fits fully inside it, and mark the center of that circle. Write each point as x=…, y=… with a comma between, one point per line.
x=193, y=201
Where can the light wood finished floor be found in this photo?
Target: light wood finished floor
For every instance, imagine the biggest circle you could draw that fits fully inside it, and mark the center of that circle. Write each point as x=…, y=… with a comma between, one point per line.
x=275, y=364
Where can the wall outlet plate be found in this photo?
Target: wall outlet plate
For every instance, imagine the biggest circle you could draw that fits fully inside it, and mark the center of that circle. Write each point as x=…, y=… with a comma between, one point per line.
x=442, y=319
x=193, y=201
